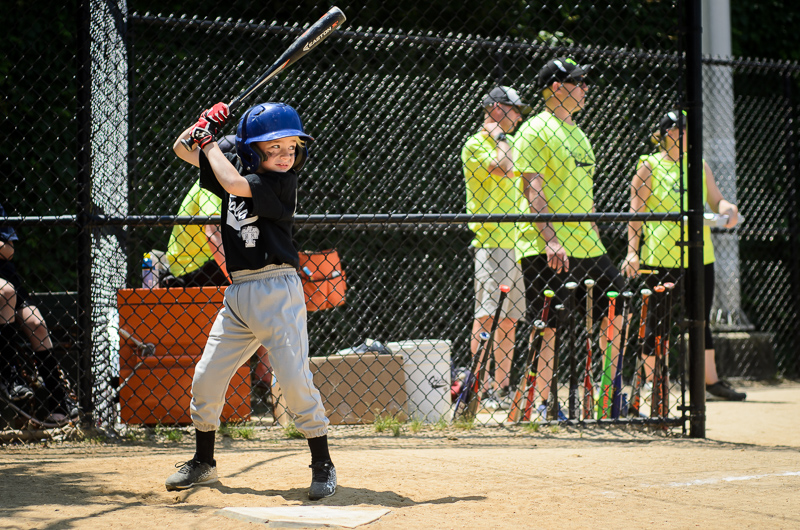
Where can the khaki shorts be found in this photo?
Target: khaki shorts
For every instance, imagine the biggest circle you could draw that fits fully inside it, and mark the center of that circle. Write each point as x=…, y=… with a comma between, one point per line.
x=495, y=267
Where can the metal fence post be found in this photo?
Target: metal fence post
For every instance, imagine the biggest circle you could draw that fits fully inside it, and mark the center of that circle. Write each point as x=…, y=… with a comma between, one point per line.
x=84, y=174
x=794, y=223
x=695, y=284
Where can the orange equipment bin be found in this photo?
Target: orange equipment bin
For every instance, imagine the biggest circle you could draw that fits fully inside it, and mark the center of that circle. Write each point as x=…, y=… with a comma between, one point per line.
x=176, y=322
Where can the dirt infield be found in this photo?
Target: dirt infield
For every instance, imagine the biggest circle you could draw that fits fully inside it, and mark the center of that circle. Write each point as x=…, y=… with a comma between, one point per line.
x=745, y=474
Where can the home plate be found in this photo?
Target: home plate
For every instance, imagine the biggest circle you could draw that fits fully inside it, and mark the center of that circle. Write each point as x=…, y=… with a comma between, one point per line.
x=307, y=515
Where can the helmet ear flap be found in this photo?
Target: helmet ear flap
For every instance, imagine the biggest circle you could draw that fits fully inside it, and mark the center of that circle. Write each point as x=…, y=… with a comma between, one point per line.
x=300, y=157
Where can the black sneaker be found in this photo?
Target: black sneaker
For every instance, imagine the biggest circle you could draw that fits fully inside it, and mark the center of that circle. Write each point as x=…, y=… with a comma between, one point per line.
x=16, y=392
x=192, y=473
x=323, y=480
x=723, y=390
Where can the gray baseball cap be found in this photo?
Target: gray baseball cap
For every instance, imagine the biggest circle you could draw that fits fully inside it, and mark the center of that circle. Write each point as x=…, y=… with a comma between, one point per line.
x=507, y=96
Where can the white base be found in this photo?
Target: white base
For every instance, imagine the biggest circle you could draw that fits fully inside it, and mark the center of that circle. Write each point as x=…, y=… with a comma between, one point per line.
x=306, y=515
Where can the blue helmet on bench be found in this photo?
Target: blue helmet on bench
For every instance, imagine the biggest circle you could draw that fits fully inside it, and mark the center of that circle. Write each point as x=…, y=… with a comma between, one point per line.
x=265, y=122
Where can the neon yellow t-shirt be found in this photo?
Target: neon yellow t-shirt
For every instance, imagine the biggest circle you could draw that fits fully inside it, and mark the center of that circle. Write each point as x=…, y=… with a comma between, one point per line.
x=487, y=193
x=660, y=238
x=562, y=154
x=188, y=245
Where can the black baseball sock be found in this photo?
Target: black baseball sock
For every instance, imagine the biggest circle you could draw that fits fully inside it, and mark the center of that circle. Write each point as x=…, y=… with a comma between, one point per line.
x=50, y=372
x=6, y=352
x=205, y=447
x=319, y=449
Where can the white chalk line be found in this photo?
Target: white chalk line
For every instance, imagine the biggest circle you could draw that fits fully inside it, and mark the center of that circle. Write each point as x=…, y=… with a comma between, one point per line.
x=709, y=481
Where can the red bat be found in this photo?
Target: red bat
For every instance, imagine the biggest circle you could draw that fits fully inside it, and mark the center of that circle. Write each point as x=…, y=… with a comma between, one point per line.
x=665, y=353
x=527, y=384
x=657, y=400
x=638, y=376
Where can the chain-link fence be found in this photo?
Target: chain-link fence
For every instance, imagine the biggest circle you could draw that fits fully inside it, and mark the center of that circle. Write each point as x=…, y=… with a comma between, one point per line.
x=420, y=198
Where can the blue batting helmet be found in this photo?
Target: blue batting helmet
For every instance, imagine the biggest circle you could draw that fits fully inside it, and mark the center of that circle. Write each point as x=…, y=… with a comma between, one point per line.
x=265, y=122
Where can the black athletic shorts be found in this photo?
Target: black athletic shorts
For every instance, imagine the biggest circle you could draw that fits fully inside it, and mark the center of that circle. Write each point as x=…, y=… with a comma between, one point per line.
x=208, y=275
x=658, y=308
x=539, y=277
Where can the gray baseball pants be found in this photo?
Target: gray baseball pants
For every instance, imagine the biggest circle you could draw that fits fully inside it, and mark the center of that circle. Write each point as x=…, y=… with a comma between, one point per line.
x=265, y=307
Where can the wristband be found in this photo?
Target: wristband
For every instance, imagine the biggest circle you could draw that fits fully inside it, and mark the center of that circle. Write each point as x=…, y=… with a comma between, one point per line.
x=500, y=137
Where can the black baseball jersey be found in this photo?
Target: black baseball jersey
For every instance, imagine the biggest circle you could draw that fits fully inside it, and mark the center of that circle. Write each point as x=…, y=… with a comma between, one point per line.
x=257, y=230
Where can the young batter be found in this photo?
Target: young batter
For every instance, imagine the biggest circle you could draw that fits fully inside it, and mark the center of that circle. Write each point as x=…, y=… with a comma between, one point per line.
x=264, y=304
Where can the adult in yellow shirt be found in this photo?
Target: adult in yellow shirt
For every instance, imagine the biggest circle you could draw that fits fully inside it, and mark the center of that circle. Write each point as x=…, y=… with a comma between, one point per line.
x=493, y=188
x=557, y=164
x=656, y=188
x=195, y=254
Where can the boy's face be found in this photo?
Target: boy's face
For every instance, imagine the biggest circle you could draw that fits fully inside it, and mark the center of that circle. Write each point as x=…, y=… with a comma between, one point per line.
x=277, y=155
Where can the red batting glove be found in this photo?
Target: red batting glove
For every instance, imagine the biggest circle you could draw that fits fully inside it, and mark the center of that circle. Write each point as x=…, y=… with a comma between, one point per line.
x=200, y=133
x=217, y=116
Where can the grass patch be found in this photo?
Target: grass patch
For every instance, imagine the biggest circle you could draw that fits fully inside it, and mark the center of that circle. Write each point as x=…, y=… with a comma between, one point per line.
x=388, y=423
x=290, y=431
x=415, y=425
x=237, y=431
x=441, y=424
x=531, y=427
x=172, y=434
x=464, y=424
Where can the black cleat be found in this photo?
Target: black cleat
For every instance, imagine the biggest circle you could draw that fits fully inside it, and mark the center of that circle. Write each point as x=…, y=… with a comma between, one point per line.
x=724, y=391
x=323, y=480
x=192, y=473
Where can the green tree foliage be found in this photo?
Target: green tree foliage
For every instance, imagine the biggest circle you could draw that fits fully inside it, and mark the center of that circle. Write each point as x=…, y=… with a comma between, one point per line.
x=765, y=29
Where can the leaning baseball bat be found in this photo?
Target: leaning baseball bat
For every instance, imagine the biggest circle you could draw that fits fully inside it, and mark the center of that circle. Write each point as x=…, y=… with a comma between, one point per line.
x=534, y=368
x=306, y=42
x=638, y=374
x=529, y=374
x=588, y=386
x=657, y=399
x=147, y=350
x=553, y=406
x=616, y=393
x=475, y=399
x=606, y=379
x=572, y=351
x=669, y=286
x=517, y=404
x=469, y=380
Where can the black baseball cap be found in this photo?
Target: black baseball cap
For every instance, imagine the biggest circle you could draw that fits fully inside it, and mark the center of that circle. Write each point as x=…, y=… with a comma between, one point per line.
x=672, y=119
x=562, y=69
x=507, y=96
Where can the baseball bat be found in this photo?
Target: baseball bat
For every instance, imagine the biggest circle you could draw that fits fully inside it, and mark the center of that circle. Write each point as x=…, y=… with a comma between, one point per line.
x=616, y=393
x=638, y=374
x=475, y=399
x=147, y=350
x=588, y=386
x=534, y=368
x=669, y=286
x=529, y=373
x=572, y=351
x=656, y=401
x=553, y=406
x=606, y=378
x=517, y=404
x=306, y=42
x=469, y=380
